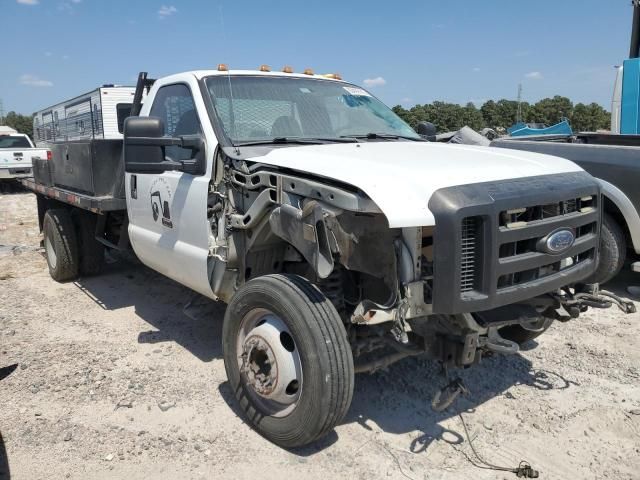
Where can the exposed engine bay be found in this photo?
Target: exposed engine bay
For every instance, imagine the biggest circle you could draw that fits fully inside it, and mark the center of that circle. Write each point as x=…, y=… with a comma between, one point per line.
x=454, y=291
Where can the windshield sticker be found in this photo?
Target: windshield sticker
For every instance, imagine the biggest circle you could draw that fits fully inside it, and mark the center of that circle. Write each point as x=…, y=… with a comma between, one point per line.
x=357, y=91
x=305, y=90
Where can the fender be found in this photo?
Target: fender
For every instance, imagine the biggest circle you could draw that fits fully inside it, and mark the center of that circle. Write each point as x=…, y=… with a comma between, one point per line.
x=627, y=209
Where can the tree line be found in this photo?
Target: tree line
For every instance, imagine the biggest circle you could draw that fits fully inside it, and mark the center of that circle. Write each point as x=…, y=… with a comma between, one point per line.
x=451, y=116
x=503, y=113
x=21, y=123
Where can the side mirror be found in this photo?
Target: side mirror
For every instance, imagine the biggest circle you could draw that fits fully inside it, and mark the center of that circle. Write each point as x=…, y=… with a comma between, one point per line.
x=426, y=130
x=145, y=148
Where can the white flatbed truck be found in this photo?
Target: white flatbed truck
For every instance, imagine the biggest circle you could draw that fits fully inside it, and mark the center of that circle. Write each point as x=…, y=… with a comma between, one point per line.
x=341, y=240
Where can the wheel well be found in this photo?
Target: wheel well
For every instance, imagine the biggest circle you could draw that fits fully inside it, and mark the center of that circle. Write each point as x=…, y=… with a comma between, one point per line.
x=614, y=212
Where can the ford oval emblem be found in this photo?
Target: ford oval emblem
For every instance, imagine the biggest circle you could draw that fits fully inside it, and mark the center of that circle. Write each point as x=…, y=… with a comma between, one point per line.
x=559, y=241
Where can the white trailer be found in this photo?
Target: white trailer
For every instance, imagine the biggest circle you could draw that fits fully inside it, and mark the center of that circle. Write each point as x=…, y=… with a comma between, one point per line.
x=98, y=114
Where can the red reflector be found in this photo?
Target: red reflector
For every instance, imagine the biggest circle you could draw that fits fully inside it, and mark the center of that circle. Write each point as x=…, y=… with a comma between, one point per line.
x=49, y=156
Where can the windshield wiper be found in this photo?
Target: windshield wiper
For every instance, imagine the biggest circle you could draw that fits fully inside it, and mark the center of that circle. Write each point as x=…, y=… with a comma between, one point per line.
x=385, y=136
x=299, y=141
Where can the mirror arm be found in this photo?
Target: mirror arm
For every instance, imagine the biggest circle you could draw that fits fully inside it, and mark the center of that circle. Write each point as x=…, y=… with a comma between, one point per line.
x=154, y=141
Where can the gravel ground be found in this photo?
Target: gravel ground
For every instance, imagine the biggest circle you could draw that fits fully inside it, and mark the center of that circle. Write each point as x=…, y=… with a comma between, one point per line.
x=119, y=376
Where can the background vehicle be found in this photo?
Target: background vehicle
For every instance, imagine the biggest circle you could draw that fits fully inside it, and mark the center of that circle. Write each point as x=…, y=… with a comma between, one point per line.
x=340, y=239
x=98, y=114
x=16, y=154
x=613, y=158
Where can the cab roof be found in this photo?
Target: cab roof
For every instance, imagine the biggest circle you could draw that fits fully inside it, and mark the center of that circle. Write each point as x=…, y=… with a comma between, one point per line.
x=199, y=74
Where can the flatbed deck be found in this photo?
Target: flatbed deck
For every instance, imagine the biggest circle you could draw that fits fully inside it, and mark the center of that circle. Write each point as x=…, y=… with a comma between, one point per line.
x=86, y=202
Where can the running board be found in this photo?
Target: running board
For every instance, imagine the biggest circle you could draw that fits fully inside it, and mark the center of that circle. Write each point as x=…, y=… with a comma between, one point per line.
x=635, y=267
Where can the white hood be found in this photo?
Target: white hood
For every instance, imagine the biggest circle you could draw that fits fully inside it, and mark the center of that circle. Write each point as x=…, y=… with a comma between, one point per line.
x=400, y=177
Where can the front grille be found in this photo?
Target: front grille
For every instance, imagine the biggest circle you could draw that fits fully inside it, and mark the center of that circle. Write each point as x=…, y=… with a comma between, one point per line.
x=522, y=229
x=492, y=243
x=468, y=257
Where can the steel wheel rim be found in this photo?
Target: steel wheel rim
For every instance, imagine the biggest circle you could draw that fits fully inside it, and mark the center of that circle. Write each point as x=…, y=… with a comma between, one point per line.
x=51, y=252
x=269, y=362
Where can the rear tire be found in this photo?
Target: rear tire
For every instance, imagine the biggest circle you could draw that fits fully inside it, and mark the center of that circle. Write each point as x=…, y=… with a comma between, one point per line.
x=90, y=250
x=613, y=251
x=61, y=245
x=318, y=342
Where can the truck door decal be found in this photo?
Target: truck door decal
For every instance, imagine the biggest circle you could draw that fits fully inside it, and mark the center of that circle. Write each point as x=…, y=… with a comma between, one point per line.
x=160, y=195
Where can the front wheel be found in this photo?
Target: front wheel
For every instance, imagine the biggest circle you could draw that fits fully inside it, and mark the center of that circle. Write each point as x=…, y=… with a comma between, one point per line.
x=287, y=359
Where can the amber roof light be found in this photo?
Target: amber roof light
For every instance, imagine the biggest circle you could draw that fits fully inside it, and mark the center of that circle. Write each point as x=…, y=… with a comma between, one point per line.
x=287, y=69
x=265, y=68
x=222, y=67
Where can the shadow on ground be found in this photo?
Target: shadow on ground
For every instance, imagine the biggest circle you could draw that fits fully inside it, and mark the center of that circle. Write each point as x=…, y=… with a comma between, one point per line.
x=176, y=313
x=5, y=474
x=397, y=400
x=11, y=187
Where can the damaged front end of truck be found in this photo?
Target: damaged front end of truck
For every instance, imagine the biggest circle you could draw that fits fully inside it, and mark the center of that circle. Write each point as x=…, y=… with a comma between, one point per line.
x=503, y=260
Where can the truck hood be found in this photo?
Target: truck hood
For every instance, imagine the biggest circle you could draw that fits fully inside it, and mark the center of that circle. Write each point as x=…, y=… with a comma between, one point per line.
x=400, y=177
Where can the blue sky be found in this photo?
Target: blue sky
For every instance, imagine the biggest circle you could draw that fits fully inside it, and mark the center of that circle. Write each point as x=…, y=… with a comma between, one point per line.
x=406, y=52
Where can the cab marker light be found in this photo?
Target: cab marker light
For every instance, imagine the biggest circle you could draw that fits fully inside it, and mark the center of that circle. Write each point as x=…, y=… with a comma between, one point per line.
x=287, y=69
x=222, y=67
x=265, y=68
x=308, y=71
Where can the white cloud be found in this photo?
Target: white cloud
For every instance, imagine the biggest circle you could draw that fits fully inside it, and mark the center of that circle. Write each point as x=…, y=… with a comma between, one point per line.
x=47, y=54
x=65, y=57
x=374, y=82
x=29, y=2
x=534, y=75
x=406, y=100
x=165, y=11
x=33, y=81
x=76, y=1
x=476, y=69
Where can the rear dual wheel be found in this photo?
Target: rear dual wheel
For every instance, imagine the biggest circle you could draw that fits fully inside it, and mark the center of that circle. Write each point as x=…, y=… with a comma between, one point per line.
x=70, y=245
x=287, y=359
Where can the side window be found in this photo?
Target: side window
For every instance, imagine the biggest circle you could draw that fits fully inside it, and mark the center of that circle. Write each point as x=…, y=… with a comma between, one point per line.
x=174, y=105
x=123, y=110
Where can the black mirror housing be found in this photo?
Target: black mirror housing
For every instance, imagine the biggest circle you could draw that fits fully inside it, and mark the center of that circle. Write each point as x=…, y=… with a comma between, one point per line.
x=140, y=154
x=144, y=148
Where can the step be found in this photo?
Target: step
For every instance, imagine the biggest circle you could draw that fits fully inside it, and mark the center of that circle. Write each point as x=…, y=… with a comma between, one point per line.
x=635, y=266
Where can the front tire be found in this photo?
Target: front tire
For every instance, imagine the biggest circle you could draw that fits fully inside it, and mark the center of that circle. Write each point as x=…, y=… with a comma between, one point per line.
x=61, y=245
x=287, y=359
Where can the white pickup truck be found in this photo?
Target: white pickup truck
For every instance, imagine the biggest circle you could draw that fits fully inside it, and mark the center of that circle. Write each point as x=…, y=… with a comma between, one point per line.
x=16, y=154
x=341, y=240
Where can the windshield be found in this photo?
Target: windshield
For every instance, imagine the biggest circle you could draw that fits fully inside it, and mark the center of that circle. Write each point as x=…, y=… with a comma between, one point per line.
x=10, y=141
x=265, y=108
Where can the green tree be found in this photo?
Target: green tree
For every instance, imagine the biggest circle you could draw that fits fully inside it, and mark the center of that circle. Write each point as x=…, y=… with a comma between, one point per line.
x=552, y=110
x=21, y=123
x=589, y=118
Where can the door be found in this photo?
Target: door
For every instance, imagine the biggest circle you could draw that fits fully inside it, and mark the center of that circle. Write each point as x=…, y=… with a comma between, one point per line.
x=168, y=225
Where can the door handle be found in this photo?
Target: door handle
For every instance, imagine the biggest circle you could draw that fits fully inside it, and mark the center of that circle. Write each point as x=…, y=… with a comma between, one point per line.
x=134, y=186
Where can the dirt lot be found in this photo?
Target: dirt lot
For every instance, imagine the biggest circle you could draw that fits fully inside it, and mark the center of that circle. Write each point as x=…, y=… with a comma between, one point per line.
x=114, y=378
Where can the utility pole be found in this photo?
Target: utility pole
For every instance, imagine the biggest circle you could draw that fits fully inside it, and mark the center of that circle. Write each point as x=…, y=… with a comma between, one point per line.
x=1, y=113
x=519, y=115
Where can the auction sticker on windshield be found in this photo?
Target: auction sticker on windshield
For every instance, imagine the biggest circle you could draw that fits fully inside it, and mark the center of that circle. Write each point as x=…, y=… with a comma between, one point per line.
x=357, y=91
